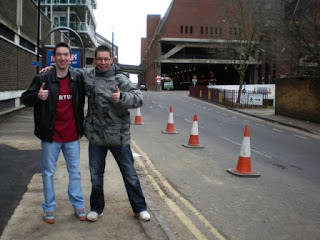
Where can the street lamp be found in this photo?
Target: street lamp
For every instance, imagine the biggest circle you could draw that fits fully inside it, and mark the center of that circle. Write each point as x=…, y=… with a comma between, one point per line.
x=112, y=41
x=38, y=36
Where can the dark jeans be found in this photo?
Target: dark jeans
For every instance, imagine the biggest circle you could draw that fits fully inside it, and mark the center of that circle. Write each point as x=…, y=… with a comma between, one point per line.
x=124, y=159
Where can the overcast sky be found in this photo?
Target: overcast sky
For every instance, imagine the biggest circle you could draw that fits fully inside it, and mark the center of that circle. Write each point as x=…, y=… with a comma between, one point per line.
x=127, y=19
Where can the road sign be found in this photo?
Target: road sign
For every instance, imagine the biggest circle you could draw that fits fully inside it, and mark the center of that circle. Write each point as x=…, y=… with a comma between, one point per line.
x=36, y=63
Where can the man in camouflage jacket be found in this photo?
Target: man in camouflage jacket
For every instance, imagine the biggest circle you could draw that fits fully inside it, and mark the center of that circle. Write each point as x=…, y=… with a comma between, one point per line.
x=107, y=127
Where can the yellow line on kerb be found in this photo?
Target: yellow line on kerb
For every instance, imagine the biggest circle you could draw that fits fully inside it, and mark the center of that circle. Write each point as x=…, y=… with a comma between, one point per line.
x=179, y=213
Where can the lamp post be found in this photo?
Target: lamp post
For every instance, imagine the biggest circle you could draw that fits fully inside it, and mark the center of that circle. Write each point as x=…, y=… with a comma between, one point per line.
x=38, y=36
x=112, y=41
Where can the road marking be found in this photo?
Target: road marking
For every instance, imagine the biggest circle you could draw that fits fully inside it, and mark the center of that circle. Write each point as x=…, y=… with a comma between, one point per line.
x=261, y=125
x=199, y=126
x=278, y=130
x=300, y=136
x=234, y=117
x=265, y=155
x=188, y=120
x=174, y=207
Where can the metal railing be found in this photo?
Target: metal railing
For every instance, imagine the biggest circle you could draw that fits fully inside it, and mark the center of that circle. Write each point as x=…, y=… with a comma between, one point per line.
x=247, y=99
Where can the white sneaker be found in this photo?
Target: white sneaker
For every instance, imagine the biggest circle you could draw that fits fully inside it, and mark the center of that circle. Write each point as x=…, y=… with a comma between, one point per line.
x=144, y=216
x=93, y=216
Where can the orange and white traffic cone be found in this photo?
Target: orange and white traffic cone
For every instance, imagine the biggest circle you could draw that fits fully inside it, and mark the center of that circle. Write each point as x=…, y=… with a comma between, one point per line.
x=194, y=135
x=170, y=125
x=137, y=118
x=243, y=168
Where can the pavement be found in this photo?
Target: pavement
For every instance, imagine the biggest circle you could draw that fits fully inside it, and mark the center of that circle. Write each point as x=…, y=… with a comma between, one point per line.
x=269, y=115
x=118, y=221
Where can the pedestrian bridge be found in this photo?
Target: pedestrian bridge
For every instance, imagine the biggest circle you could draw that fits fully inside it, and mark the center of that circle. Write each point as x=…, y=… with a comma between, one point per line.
x=131, y=68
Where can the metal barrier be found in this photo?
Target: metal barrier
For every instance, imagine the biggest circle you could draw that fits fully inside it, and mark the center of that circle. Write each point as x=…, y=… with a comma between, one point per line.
x=247, y=99
x=10, y=101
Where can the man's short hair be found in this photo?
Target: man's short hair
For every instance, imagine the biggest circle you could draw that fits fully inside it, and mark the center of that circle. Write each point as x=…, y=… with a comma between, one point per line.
x=62, y=44
x=102, y=48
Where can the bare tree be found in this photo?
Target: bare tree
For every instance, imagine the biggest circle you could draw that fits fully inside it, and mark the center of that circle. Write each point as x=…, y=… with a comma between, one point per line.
x=302, y=34
x=246, y=21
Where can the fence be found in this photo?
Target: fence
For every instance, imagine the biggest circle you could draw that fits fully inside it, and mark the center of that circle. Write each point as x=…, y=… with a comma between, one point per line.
x=247, y=99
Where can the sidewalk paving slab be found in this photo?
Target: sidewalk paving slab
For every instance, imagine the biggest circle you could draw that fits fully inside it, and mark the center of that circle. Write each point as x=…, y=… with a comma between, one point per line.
x=118, y=221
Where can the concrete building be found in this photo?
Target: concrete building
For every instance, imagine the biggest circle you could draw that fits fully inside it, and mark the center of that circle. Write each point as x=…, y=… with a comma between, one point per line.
x=19, y=40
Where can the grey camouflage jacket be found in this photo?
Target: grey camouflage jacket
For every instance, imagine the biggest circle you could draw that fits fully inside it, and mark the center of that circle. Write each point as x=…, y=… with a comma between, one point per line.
x=107, y=123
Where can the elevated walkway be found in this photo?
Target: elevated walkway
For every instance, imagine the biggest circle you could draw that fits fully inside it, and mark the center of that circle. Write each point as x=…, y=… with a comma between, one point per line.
x=131, y=68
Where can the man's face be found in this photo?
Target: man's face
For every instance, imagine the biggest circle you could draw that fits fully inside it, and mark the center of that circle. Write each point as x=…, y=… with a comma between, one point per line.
x=62, y=58
x=103, y=61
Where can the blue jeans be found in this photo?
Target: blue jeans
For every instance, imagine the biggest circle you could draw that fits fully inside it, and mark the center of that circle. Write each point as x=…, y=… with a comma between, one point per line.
x=50, y=154
x=124, y=159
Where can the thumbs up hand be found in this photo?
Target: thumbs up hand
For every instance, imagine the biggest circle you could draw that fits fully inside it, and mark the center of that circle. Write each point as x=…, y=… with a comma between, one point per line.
x=43, y=94
x=116, y=95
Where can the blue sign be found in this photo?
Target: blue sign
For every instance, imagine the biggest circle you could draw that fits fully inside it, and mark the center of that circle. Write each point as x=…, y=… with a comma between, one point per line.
x=76, y=58
x=36, y=63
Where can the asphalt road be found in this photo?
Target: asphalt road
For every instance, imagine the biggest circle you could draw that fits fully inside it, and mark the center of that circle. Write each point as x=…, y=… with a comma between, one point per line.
x=18, y=162
x=190, y=188
x=282, y=204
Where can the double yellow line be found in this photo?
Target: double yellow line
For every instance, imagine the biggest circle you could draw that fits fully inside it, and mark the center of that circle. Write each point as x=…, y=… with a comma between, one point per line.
x=176, y=210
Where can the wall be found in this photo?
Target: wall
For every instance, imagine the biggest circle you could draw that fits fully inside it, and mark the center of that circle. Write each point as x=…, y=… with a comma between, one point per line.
x=298, y=98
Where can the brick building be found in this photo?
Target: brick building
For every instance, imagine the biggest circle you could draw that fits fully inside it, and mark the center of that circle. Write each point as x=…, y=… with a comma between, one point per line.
x=190, y=40
x=18, y=48
x=197, y=39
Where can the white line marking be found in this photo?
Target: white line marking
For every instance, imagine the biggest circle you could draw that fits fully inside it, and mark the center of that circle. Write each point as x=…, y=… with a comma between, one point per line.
x=188, y=120
x=278, y=130
x=261, y=125
x=265, y=155
x=301, y=136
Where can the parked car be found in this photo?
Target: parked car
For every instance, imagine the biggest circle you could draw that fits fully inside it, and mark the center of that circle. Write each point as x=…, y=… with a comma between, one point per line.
x=143, y=87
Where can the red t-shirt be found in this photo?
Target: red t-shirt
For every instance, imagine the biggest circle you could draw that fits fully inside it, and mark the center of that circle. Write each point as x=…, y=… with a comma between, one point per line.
x=65, y=129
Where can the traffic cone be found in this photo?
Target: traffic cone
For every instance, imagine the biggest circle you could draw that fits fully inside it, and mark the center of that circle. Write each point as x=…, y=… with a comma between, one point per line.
x=194, y=136
x=170, y=125
x=243, y=168
x=137, y=118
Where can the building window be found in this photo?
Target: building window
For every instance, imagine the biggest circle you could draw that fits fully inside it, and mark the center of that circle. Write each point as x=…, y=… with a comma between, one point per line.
x=207, y=30
x=211, y=30
x=191, y=29
x=186, y=29
x=181, y=29
x=6, y=32
x=26, y=44
x=216, y=30
x=201, y=30
x=89, y=60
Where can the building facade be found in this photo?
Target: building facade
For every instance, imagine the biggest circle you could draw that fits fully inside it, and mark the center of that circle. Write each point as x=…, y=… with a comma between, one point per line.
x=192, y=41
x=19, y=52
x=196, y=41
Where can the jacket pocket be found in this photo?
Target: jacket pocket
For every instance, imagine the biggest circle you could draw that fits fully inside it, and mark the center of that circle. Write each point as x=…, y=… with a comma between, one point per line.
x=111, y=136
